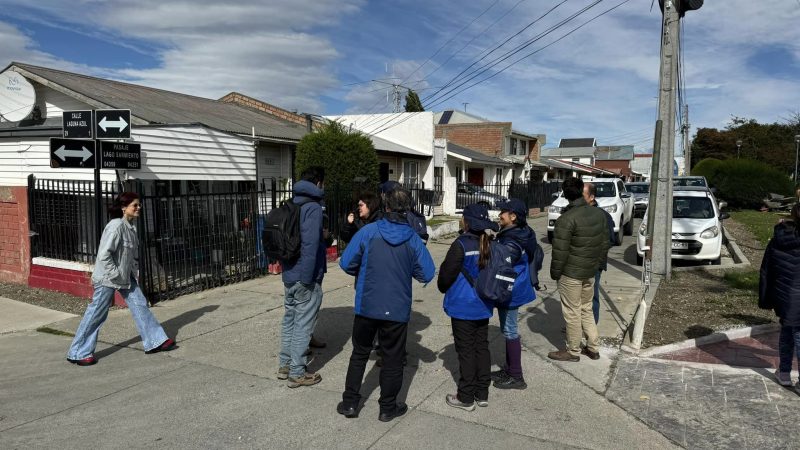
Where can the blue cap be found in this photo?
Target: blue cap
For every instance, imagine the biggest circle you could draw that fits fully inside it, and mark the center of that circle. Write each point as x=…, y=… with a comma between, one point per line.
x=389, y=186
x=477, y=218
x=516, y=206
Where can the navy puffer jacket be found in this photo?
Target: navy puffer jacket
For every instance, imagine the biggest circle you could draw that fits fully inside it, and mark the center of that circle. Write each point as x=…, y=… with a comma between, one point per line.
x=779, y=287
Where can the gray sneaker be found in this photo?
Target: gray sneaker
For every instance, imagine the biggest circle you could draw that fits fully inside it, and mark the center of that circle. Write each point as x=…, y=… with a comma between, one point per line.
x=784, y=378
x=283, y=372
x=307, y=379
x=482, y=403
x=453, y=401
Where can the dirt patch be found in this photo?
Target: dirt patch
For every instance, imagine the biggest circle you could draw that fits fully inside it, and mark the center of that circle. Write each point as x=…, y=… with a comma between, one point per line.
x=698, y=303
x=58, y=301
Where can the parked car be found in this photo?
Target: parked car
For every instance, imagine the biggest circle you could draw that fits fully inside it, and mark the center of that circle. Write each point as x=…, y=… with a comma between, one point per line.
x=468, y=193
x=611, y=196
x=693, y=180
x=641, y=196
x=696, y=226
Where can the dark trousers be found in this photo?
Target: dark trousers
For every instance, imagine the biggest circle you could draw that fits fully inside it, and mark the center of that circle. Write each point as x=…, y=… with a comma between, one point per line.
x=392, y=340
x=471, y=339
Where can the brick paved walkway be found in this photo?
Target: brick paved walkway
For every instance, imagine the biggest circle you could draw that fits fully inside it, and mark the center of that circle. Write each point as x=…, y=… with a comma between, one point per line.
x=759, y=351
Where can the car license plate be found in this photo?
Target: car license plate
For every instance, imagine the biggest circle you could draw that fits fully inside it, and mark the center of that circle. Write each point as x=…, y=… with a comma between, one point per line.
x=680, y=245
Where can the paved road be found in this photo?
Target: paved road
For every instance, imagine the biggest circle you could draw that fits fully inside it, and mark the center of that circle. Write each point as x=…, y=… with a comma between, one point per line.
x=219, y=388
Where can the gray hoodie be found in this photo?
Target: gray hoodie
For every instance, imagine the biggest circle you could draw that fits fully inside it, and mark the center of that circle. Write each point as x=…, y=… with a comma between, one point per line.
x=117, y=256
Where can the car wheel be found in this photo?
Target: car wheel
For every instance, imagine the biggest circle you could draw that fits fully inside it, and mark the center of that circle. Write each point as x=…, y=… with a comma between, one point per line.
x=620, y=233
x=629, y=228
x=550, y=237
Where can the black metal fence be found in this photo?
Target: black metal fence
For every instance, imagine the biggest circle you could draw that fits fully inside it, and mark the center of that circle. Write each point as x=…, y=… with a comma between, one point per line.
x=199, y=241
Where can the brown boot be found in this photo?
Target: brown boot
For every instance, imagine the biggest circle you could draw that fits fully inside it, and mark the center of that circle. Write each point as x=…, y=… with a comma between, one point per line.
x=563, y=355
x=592, y=355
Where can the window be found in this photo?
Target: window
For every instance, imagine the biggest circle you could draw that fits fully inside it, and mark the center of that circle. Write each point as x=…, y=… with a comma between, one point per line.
x=438, y=178
x=498, y=176
x=514, y=145
x=523, y=148
x=411, y=173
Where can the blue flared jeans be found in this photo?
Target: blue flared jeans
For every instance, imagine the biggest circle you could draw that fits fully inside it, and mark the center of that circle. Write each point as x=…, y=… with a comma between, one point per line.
x=85, y=341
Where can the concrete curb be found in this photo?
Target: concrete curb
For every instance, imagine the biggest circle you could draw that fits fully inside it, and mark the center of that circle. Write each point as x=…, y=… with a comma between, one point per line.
x=626, y=347
x=736, y=252
x=442, y=230
x=717, y=336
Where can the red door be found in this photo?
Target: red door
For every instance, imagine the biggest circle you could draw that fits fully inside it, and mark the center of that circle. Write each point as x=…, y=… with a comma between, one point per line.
x=475, y=176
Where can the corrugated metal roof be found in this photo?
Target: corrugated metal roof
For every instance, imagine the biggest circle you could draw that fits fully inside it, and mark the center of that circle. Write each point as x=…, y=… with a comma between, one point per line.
x=574, y=152
x=576, y=142
x=614, y=153
x=156, y=106
x=474, y=156
x=386, y=145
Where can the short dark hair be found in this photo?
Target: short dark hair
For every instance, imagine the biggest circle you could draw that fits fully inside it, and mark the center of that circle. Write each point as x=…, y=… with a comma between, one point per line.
x=313, y=174
x=398, y=200
x=121, y=201
x=591, y=188
x=573, y=188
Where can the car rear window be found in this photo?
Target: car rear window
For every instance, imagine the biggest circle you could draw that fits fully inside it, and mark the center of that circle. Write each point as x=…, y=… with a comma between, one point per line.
x=638, y=188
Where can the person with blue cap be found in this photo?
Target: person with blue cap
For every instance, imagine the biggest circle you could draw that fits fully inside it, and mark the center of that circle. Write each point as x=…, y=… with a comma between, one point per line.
x=469, y=314
x=515, y=232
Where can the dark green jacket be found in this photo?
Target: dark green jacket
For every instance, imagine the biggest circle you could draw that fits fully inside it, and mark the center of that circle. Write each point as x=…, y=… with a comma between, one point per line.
x=580, y=241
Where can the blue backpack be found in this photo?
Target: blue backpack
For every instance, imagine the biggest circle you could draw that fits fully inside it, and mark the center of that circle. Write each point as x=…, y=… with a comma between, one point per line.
x=495, y=282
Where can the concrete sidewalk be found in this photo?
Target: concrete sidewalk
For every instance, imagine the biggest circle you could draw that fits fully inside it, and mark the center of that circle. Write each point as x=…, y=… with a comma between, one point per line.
x=19, y=316
x=219, y=388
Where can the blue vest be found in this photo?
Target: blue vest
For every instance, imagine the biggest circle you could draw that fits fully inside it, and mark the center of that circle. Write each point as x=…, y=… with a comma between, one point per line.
x=461, y=301
x=523, y=292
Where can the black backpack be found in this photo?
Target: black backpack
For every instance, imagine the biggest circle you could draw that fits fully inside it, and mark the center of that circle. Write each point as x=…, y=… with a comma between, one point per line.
x=419, y=224
x=281, y=236
x=495, y=281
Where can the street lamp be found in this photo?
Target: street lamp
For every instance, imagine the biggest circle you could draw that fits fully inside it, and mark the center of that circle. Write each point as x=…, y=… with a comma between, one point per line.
x=738, y=147
x=796, y=151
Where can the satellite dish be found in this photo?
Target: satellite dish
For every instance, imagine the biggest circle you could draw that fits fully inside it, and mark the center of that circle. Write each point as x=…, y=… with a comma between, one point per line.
x=17, y=96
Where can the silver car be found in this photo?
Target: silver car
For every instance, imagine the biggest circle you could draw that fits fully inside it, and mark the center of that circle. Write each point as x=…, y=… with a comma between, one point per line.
x=641, y=197
x=468, y=193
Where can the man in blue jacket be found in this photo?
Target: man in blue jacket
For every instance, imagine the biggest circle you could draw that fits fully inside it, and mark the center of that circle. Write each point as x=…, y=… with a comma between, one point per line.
x=302, y=280
x=385, y=255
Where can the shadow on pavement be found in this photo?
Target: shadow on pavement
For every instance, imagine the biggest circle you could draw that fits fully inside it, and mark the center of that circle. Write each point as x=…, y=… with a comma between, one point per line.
x=171, y=327
x=549, y=322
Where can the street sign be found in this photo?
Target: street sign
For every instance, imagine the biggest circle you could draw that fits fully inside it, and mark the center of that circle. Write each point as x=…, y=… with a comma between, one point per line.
x=120, y=155
x=112, y=124
x=71, y=153
x=77, y=124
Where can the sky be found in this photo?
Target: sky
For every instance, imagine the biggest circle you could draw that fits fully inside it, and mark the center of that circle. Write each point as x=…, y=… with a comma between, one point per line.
x=741, y=58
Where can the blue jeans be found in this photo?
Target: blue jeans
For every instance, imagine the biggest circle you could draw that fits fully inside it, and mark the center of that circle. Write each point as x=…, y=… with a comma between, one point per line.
x=788, y=346
x=508, y=322
x=85, y=341
x=302, y=305
x=596, y=298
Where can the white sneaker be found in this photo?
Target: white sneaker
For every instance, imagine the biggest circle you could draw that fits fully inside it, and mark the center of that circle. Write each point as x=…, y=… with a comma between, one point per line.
x=784, y=378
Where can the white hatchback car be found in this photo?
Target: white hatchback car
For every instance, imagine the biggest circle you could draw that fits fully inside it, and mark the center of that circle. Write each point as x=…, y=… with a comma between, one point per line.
x=696, y=226
x=611, y=196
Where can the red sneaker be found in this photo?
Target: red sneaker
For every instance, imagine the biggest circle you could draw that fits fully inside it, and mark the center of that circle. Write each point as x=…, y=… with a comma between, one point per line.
x=166, y=346
x=88, y=361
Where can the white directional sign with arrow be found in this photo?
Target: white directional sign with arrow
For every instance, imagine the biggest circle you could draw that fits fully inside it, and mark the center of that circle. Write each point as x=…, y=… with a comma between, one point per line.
x=120, y=124
x=112, y=124
x=74, y=153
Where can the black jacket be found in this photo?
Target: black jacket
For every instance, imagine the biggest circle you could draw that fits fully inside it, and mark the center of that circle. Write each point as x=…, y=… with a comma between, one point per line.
x=779, y=286
x=350, y=229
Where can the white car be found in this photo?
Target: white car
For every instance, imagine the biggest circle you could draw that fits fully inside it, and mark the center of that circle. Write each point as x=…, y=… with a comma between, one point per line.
x=696, y=226
x=611, y=196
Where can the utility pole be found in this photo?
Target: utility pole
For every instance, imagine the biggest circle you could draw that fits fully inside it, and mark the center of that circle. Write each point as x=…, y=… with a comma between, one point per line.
x=661, y=250
x=687, y=146
x=465, y=106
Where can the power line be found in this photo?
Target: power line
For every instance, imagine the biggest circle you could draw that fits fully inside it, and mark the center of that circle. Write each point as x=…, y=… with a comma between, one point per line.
x=524, y=57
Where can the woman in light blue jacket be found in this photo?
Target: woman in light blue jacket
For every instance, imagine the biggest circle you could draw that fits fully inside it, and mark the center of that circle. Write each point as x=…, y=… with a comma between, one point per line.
x=116, y=269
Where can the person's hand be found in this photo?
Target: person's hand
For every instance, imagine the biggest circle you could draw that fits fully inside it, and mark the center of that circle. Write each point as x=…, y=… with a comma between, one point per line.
x=351, y=218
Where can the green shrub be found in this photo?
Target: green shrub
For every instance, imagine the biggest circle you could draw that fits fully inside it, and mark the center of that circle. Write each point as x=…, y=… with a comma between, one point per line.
x=347, y=156
x=744, y=183
x=708, y=168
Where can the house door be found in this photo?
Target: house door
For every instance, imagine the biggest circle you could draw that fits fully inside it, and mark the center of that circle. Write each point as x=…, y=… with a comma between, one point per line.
x=475, y=176
x=383, y=172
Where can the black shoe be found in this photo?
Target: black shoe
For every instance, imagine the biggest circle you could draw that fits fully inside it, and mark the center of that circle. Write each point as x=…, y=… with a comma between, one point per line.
x=511, y=383
x=498, y=375
x=348, y=411
x=399, y=410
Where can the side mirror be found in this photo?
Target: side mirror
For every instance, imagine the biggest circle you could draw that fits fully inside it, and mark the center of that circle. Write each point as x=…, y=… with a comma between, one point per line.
x=722, y=204
x=723, y=216
x=625, y=195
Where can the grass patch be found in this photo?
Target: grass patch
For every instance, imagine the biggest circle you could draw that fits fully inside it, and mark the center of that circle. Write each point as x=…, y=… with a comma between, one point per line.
x=759, y=223
x=747, y=280
x=54, y=331
x=439, y=220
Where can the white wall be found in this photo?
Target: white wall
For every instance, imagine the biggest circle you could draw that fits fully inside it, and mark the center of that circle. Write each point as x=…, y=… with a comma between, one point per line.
x=168, y=153
x=412, y=130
